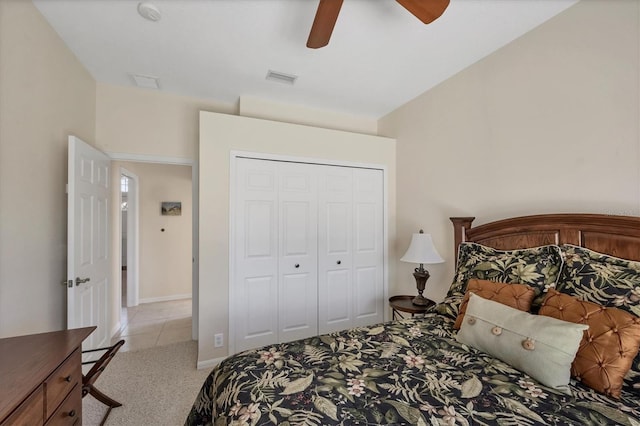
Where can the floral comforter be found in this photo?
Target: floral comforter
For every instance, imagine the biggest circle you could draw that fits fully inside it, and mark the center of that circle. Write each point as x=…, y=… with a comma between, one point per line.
x=398, y=373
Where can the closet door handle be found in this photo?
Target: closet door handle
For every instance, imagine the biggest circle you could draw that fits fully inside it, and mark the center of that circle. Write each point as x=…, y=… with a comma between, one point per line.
x=297, y=265
x=339, y=262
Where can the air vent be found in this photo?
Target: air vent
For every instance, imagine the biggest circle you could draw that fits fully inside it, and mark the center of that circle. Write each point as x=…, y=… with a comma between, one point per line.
x=146, y=81
x=281, y=77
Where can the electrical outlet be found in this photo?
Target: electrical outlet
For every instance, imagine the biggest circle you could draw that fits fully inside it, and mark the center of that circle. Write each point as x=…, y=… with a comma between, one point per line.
x=218, y=340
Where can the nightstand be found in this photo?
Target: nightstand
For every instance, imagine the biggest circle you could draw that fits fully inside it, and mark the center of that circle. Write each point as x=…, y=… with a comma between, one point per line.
x=403, y=304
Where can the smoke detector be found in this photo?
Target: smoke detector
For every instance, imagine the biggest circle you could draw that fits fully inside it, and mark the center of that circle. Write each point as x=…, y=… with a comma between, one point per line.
x=149, y=11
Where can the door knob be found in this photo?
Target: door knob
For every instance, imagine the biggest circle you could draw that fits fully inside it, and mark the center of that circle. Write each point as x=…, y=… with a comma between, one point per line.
x=82, y=280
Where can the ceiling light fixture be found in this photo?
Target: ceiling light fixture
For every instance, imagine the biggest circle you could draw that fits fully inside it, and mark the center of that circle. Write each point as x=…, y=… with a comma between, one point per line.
x=281, y=77
x=149, y=11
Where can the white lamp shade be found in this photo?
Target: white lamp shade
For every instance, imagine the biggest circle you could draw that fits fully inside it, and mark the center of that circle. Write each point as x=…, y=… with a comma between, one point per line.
x=421, y=250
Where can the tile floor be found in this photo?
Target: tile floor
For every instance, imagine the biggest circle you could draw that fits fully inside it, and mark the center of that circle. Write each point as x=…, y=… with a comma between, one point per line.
x=155, y=324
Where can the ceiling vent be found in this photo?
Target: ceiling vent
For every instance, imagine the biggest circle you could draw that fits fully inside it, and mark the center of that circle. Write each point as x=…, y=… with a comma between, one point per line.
x=145, y=81
x=281, y=77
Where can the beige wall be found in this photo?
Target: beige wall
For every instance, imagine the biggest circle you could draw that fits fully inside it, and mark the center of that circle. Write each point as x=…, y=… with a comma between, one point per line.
x=219, y=135
x=165, y=256
x=549, y=123
x=154, y=125
x=147, y=122
x=160, y=126
x=250, y=106
x=45, y=95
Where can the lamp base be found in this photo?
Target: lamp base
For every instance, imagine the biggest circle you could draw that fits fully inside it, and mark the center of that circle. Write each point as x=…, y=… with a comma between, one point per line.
x=421, y=276
x=420, y=300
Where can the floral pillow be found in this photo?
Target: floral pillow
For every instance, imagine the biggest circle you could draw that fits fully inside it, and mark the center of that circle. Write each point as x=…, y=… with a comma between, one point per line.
x=537, y=267
x=600, y=278
x=605, y=280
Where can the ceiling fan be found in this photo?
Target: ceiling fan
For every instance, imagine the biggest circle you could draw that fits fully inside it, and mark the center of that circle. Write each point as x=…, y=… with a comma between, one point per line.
x=425, y=10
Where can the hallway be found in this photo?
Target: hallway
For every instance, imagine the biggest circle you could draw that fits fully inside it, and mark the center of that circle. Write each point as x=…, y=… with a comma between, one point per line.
x=155, y=324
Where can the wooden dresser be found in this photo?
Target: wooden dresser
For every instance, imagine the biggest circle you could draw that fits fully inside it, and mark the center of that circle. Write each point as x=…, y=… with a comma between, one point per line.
x=41, y=378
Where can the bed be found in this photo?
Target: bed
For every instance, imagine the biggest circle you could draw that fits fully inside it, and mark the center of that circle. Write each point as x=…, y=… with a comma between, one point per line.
x=418, y=371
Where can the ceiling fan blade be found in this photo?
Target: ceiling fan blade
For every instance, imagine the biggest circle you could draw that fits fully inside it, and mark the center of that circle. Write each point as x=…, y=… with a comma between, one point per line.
x=323, y=24
x=425, y=10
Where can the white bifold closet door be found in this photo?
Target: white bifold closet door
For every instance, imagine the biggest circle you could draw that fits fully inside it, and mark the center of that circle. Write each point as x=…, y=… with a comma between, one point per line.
x=276, y=294
x=350, y=252
x=298, y=252
x=308, y=250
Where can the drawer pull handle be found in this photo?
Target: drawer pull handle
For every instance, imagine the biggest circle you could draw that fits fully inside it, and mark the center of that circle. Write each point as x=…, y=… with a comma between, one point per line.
x=72, y=413
x=67, y=379
x=339, y=262
x=297, y=265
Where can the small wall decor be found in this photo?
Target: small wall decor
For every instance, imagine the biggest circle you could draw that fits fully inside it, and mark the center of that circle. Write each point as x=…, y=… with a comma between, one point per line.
x=171, y=208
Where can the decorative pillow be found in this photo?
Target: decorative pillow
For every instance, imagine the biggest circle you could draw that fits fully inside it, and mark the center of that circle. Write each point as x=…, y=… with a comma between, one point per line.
x=518, y=296
x=608, y=346
x=538, y=267
x=600, y=278
x=605, y=280
x=543, y=347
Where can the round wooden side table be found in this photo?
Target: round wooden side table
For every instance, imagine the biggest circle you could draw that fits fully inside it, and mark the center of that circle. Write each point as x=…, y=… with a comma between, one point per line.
x=403, y=303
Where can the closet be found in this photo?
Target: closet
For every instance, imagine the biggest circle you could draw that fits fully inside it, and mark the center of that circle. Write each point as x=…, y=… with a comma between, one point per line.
x=308, y=250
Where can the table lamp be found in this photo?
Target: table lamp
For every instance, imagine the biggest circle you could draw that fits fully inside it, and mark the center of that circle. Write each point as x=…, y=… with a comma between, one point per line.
x=422, y=251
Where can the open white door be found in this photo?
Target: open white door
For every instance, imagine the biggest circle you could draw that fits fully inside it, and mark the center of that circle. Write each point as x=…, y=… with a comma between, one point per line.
x=129, y=225
x=88, y=256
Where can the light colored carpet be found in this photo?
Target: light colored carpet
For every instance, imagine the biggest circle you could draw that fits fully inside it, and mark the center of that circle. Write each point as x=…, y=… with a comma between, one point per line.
x=156, y=386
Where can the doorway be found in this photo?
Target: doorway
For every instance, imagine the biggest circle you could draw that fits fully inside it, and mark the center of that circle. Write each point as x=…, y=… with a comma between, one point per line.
x=129, y=238
x=124, y=200
x=155, y=295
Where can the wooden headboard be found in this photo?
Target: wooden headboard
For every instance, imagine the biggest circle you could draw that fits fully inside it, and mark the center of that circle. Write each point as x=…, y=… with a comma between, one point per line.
x=615, y=235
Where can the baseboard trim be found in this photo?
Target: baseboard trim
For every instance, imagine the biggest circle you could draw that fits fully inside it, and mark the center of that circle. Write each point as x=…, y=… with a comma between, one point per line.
x=115, y=329
x=209, y=363
x=166, y=298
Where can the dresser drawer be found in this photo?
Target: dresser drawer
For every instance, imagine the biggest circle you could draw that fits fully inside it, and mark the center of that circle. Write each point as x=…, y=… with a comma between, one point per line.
x=30, y=412
x=61, y=381
x=70, y=411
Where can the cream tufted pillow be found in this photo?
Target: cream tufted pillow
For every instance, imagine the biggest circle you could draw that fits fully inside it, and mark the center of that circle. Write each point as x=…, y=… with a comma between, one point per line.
x=543, y=347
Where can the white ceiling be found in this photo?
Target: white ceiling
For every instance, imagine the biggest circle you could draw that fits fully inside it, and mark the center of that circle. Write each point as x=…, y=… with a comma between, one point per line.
x=380, y=56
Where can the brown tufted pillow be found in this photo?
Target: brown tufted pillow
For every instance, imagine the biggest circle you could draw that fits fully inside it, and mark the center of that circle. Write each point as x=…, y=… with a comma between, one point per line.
x=608, y=346
x=518, y=296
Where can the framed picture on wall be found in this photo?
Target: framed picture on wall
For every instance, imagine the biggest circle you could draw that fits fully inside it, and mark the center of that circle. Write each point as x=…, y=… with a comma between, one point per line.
x=171, y=208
